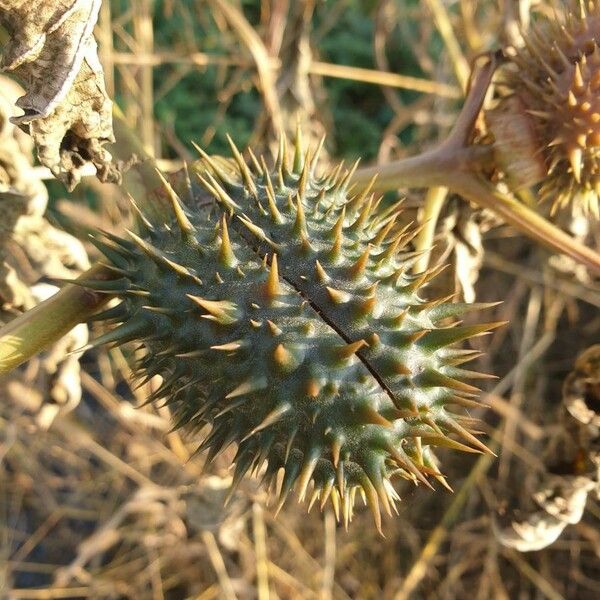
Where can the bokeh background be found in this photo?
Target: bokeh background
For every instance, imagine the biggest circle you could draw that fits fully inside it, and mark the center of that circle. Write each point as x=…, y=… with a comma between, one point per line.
x=99, y=499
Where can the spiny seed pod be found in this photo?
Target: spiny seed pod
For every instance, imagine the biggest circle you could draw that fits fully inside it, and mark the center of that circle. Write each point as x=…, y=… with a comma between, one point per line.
x=554, y=109
x=287, y=319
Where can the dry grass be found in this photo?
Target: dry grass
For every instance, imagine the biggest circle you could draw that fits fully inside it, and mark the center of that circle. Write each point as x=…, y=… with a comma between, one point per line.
x=108, y=503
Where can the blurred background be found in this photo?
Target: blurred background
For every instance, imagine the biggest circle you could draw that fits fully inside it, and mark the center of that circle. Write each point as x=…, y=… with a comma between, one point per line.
x=99, y=499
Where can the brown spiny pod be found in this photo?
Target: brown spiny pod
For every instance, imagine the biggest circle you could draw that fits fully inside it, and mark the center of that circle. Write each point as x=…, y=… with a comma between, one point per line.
x=553, y=85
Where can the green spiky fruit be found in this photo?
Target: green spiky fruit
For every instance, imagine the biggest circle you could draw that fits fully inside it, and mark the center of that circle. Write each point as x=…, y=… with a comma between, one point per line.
x=287, y=319
x=548, y=128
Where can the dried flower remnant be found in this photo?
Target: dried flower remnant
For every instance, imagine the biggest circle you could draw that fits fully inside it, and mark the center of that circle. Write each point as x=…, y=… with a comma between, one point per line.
x=572, y=465
x=53, y=53
x=547, y=128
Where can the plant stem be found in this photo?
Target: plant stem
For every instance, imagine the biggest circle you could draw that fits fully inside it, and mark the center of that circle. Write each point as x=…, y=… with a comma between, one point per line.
x=434, y=200
x=457, y=171
x=36, y=329
x=529, y=222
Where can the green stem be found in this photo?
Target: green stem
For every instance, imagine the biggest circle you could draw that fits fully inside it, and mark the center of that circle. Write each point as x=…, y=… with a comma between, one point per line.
x=434, y=200
x=38, y=328
x=31, y=332
x=456, y=169
x=529, y=222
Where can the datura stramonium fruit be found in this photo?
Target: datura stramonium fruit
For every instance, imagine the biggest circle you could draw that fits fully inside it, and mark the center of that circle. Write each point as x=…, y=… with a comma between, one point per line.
x=547, y=128
x=286, y=319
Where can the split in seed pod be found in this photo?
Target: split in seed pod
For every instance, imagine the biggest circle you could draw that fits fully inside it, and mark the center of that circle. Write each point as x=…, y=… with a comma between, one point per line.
x=288, y=320
x=547, y=128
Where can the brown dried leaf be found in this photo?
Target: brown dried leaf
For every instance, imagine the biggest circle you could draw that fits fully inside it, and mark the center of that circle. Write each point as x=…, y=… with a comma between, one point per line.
x=53, y=52
x=557, y=496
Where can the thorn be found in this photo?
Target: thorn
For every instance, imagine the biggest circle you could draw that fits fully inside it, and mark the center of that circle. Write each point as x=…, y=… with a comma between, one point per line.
x=346, y=351
x=272, y=287
x=120, y=335
x=358, y=268
x=185, y=225
x=341, y=479
x=281, y=163
x=326, y=493
x=139, y=214
x=360, y=198
x=442, y=441
x=415, y=336
x=404, y=461
x=275, y=214
x=455, y=427
x=111, y=252
x=369, y=415
x=257, y=231
x=437, y=379
x=272, y=418
x=313, y=387
x=439, y=338
x=300, y=222
x=374, y=340
x=342, y=186
x=192, y=354
x=321, y=274
x=291, y=473
x=229, y=347
x=575, y=156
x=335, y=502
x=578, y=81
x=254, y=384
x=366, y=306
x=159, y=310
x=226, y=254
x=422, y=278
x=308, y=468
x=256, y=165
x=212, y=163
x=290, y=443
x=298, y=150
x=465, y=402
x=337, y=234
x=459, y=357
x=283, y=358
x=401, y=369
x=385, y=230
x=372, y=502
x=213, y=186
x=304, y=175
x=243, y=168
x=336, y=448
x=110, y=286
x=337, y=296
x=118, y=313
x=363, y=216
x=221, y=311
x=317, y=154
x=159, y=258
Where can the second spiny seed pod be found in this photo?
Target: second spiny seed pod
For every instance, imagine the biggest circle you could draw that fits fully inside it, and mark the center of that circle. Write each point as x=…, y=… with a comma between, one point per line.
x=547, y=128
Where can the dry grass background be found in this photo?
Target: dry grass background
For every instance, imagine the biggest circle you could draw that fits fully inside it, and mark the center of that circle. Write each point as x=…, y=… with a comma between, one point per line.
x=108, y=503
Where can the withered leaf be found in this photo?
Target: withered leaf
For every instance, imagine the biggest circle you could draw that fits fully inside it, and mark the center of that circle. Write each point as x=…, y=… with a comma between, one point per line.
x=53, y=53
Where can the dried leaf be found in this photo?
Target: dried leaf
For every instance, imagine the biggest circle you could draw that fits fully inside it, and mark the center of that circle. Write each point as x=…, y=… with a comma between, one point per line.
x=557, y=496
x=53, y=52
x=30, y=248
